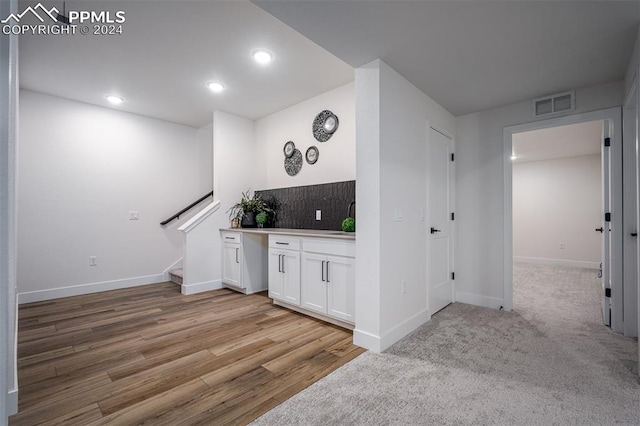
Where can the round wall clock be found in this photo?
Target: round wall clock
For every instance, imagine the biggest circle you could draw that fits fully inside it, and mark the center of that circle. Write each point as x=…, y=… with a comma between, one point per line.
x=325, y=125
x=293, y=164
x=288, y=149
x=312, y=155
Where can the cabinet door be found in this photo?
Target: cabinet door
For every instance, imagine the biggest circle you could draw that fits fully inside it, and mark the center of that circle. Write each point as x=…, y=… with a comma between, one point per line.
x=341, y=278
x=232, y=264
x=314, y=287
x=291, y=276
x=275, y=275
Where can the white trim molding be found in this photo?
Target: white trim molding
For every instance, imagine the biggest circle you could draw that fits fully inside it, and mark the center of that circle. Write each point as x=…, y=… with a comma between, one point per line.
x=77, y=290
x=188, y=289
x=479, y=300
x=378, y=344
x=557, y=262
x=199, y=217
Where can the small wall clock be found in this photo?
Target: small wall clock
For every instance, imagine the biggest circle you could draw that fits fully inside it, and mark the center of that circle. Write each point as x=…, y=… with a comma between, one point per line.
x=312, y=155
x=325, y=125
x=288, y=149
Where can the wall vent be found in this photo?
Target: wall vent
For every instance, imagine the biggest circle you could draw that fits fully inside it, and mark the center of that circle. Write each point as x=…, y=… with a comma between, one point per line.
x=554, y=104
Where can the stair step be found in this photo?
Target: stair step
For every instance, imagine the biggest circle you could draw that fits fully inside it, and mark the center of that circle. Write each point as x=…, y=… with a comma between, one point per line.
x=175, y=275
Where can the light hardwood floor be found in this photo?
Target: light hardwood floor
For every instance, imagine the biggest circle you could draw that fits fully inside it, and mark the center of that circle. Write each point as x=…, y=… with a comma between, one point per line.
x=151, y=355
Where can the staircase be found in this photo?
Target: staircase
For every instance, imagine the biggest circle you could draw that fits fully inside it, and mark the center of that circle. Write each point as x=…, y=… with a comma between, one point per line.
x=175, y=275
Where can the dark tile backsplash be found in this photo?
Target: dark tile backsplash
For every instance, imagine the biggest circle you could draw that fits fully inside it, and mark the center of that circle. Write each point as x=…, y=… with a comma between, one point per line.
x=297, y=205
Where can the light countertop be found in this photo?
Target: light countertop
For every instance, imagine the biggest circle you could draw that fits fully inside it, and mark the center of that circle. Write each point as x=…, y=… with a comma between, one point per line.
x=297, y=232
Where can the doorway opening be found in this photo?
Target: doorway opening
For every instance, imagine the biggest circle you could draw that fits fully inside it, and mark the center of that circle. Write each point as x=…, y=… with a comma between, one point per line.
x=557, y=193
x=611, y=162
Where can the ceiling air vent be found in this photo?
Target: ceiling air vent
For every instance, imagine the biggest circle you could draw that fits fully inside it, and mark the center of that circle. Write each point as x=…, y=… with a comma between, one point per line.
x=560, y=102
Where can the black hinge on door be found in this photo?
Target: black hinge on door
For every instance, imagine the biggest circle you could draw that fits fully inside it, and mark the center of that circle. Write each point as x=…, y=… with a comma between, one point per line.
x=453, y=156
x=607, y=141
x=453, y=216
x=607, y=217
x=453, y=275
x=607, y=292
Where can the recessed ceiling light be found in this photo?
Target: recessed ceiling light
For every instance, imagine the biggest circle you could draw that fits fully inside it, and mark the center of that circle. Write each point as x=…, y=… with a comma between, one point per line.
x=262, y=56
x=513, y=156
x=214, y=86
x=116, y=100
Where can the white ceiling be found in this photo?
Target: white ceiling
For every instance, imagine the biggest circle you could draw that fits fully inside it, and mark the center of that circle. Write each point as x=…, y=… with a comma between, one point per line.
x=468, y=56
x=474, y=55
x=573, y=140
x=170, y=49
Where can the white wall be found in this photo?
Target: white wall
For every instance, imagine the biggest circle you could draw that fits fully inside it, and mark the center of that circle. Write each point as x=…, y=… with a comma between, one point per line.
x=480, y=191
x=392, y=117
x=8, y=145
x=558, y=201
x=82, y=168
x=337, y=158
x=234, y=169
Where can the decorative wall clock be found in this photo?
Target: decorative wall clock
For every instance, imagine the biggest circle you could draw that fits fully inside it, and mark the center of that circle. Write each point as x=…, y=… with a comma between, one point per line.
x=312, y=155
x=288, y=149
x=325, y=125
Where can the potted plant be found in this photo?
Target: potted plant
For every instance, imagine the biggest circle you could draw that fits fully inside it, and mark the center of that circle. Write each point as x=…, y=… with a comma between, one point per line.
x=261, y=219
x=247, y=209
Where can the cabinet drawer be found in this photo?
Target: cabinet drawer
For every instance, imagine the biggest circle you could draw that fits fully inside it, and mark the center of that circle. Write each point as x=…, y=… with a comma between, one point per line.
x=231, y=237
x=284, y=242
x=331, y=247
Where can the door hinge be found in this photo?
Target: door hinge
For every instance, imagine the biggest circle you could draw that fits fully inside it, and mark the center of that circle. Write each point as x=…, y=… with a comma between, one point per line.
x=453, y=157
x=453, y=216
x=607, y=217
x=607, y=292
x=453, y=275
x=607, y=141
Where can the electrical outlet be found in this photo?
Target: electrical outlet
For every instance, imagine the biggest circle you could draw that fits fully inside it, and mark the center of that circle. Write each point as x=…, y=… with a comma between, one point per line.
x=134, y=215
x=399, y=216
x=318, y=214
x=93, y=261
x=562, y=244
x=404, y=287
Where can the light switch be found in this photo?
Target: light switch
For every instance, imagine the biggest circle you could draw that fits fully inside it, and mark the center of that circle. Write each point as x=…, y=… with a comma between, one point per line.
x=318, y=214
x=134, y=215
x=399, y=215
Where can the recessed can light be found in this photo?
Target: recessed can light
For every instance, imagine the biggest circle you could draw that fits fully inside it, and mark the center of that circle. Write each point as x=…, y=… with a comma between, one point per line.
x=262, y=56
x=115, y=100
x=513, y=156
x=214, y=86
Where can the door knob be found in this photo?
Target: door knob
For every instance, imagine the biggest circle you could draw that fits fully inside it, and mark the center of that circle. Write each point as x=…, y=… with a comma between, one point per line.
x=434, y=230
x=634, y=234
x=600, y=229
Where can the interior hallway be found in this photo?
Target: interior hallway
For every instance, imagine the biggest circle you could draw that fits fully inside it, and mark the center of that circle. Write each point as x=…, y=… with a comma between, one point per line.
x=549, y=361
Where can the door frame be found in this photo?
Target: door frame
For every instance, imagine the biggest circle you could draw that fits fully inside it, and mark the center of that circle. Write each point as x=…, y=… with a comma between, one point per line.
x=452, y=207
x=614, y=116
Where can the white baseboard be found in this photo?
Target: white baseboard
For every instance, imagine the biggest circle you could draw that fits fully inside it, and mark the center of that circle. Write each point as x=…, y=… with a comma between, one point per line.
x=380, y=343
x=479, y=300
x=76, y=290
x=175, y=265
x=404, y=328
x=557, y=262
x=367, y=340
x=201, y=287
x=12, y=402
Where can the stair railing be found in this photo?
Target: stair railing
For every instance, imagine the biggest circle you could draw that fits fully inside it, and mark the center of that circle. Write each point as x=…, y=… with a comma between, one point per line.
x=189, y=207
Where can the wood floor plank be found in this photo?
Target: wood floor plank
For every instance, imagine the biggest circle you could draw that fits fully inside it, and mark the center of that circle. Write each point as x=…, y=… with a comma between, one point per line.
x=150, y=355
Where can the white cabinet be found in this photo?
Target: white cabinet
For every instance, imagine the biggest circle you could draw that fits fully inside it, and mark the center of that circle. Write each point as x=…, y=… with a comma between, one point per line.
x=328, y=278
x=244, y=261
x=284, y=269
x=328, y=285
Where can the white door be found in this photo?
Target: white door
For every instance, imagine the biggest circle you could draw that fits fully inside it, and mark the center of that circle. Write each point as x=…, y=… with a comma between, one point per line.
x=341, y=278
x=231, y=264
x=606, y=228
x=291, y=276
x=276, y=288
x=440, y=238
x=314, y=283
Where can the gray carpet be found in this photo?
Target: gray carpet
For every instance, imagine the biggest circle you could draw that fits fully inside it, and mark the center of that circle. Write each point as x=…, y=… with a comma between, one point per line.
x=550, y=361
